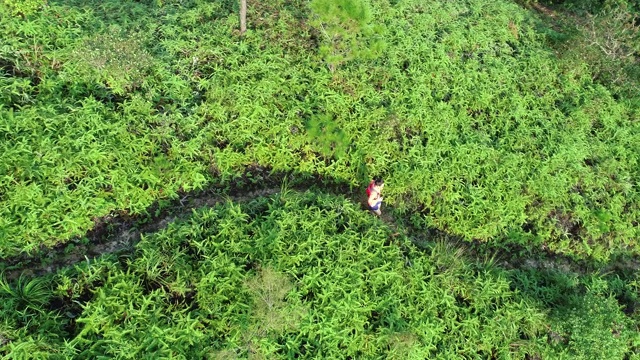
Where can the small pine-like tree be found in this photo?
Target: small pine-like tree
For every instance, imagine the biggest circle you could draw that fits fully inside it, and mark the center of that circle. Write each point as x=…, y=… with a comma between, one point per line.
x=347, y=31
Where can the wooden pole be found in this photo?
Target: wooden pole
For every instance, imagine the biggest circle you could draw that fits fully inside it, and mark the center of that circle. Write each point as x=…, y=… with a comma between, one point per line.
x=243, y=16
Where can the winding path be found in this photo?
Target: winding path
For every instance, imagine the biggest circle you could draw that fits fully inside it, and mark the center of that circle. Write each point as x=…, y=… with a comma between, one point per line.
x=119, y=234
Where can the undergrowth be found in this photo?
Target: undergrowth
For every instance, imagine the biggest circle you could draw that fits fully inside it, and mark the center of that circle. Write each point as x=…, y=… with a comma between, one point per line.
x=308, y=276
x=107, y=107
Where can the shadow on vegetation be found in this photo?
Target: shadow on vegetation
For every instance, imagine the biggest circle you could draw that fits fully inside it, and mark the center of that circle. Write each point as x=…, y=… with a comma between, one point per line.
x=558, y=287
x=556, y=282
x=601, y=34
x=549, y=279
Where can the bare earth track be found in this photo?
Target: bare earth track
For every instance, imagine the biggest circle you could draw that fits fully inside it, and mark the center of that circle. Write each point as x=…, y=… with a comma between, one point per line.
x=120, y=233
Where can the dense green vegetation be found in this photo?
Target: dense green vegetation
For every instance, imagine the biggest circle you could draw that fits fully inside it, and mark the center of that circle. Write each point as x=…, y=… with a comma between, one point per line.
x=108, y=107
x=605, y=34
x=310, y=276
x=495, y=122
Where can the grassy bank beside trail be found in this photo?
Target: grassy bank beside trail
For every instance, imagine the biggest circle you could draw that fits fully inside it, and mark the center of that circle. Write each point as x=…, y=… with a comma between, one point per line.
x=107, y=107
x=305, y=275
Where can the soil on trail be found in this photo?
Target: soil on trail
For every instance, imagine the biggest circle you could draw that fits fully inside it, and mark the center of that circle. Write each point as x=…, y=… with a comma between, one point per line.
x=116, y=234
x=120, y=233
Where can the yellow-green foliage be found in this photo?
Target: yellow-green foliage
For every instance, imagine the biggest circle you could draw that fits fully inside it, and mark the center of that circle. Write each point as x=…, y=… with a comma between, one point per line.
x=466, y=114
x=21, y=8
x=305, y=276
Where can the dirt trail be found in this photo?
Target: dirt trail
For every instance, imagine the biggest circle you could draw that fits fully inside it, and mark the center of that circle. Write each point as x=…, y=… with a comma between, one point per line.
x=116, y=234
x=545, y=10
x=119, y=234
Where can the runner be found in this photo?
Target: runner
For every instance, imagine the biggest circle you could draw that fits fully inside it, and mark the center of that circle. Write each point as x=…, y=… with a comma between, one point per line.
x=374, y=195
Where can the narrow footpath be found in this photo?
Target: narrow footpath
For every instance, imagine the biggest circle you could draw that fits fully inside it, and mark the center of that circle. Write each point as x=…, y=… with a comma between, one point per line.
x=119, y=234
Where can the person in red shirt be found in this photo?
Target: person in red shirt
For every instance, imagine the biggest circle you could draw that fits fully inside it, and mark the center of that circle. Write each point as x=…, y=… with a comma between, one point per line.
x=374, y=195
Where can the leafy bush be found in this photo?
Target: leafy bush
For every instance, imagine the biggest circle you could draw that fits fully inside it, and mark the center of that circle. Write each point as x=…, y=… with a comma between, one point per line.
x=21, y=7
x=592, y=326
x=595, y=329
x=119, y=61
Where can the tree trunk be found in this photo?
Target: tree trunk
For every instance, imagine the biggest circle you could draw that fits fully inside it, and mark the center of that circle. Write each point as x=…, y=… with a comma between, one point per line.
x=243, y=16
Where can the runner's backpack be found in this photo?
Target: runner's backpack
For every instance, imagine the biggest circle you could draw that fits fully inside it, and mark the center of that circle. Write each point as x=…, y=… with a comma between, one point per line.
x=370, y=188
